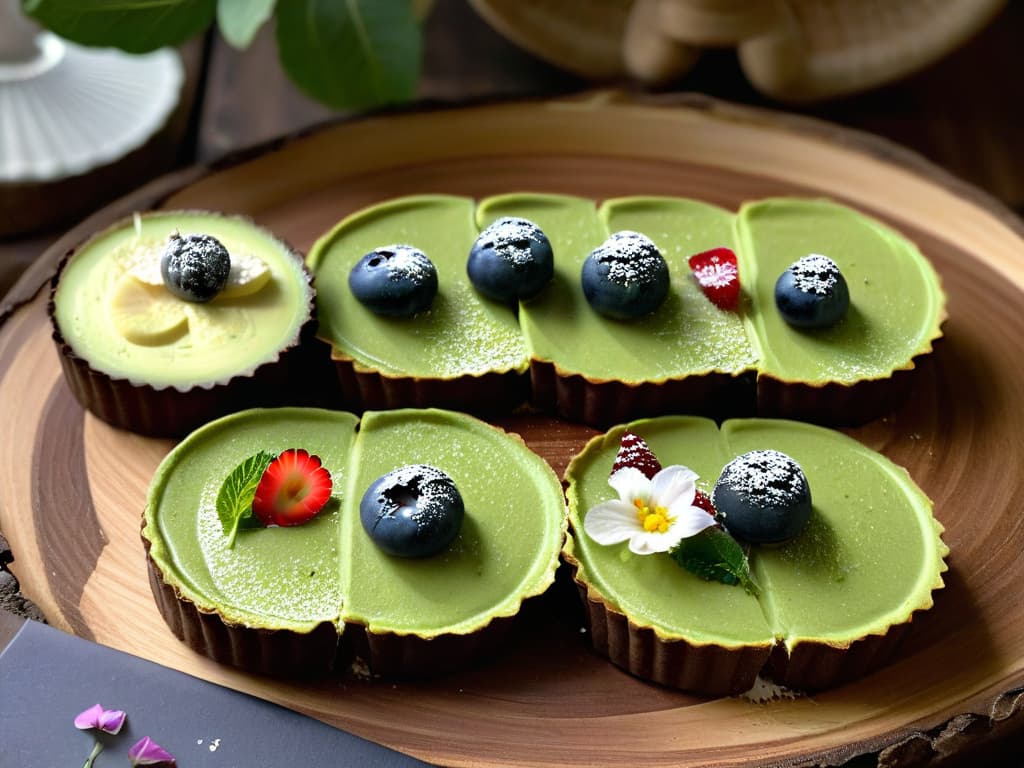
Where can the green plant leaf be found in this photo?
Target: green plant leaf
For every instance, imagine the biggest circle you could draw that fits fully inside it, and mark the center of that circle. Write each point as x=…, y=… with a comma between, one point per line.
x=136, y=26
x=234, y=499
x=714, y=555
x=240, y=20
x=350, y=53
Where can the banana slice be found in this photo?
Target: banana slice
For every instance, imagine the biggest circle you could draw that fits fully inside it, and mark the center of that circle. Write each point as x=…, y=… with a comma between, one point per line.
x=212, y=323
x=248, y=274
x=147, y=315
x=145, y=268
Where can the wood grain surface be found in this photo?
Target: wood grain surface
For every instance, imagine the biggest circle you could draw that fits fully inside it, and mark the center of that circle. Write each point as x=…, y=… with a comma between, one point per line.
x=72, y=489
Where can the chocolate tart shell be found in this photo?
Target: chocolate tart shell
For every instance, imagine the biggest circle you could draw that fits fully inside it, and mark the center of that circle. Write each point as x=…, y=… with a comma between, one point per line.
x=270, y=652
x=842, y=405
x=489, y=394
x=813, y=666
x=714, y=670
x=604, y=403
x=322, y=651
x=171, y=412
x=709, y=670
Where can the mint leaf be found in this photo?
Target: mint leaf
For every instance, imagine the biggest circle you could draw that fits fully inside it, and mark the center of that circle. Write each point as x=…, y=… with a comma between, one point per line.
x=240, y=20
x=350, y=53
x=136, y=26
x=234, y=499
x=714, y=555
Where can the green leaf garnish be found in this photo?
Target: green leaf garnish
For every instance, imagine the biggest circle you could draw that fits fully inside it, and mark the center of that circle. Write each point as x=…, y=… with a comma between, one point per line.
x=350, y=53
x=714, y=555
x=240, y=20
x=234, y=499
x=136, y=26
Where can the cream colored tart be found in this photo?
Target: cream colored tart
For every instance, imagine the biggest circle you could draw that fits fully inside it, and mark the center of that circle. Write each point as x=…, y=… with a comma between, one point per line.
x=833, y=602
x=142, y=358
x=687, y=356
x=309, y=597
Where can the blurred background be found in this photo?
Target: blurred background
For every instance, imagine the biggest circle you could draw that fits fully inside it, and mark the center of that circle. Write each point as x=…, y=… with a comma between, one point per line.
x=941, y=77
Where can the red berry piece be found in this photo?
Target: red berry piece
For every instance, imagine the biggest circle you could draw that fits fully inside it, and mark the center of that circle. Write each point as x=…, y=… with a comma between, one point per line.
x=293, y=489
x=634, y=452
x=718, y=275
x=702, y=500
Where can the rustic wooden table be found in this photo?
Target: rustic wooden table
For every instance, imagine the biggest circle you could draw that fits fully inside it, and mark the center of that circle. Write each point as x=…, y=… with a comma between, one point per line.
x=963, y=114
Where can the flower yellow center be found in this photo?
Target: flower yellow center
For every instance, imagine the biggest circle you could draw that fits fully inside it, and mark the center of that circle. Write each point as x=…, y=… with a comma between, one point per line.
x=656, y=519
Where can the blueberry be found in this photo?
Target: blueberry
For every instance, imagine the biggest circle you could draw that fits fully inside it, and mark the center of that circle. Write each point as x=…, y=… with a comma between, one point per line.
x=511, y=261
x=625, y=277
x=412, y=511
x=195, y=267
x=396, y=280
x=812, y=293
x=762, y=497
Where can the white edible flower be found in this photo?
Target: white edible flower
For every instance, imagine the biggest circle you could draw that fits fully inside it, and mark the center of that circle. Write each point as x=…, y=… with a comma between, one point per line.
x=654, y=514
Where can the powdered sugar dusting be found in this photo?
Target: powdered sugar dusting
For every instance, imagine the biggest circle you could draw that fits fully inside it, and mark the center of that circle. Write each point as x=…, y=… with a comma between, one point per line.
x=404, y=261
x=511, y=238
x=815, y=274
x=634, y=452
x=716, y=273
x=426, y=491
x=631, y=258
x=766, y=478
x=765, y=690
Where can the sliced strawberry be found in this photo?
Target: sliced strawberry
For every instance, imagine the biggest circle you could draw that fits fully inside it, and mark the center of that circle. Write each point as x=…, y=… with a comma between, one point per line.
x=634, y=452
x=718, y=275
x=294, y=487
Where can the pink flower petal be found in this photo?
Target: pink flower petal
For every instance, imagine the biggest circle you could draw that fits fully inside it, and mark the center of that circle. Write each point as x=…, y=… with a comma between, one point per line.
x=112, y=720
x=147, y=752
x=90, y=718
x=107, y=720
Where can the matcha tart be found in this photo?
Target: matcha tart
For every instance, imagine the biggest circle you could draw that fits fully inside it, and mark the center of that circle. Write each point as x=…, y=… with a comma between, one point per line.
x=857, y=369
x=167, y=320
x=695, y=353
x=823, y=603
x=687, y=355
x=462, y=351
x=714, y=340
x=350, y=581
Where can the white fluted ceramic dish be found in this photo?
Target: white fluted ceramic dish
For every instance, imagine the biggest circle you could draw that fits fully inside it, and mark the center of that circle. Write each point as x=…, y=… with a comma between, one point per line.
x=73, y=109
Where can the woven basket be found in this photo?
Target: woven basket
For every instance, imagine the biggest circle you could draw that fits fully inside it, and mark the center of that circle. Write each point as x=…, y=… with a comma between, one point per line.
x=791, y=50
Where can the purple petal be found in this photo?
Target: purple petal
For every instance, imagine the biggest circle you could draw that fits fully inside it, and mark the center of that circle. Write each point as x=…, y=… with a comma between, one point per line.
x=108, y=720
x=147, y=752
x=111, y=720
x=90, y=718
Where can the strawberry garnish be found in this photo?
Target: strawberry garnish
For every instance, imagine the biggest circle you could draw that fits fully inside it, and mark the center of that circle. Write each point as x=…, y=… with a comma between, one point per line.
x=718, y=275
x=634, y=452
x=294, y=487
x=702, y=500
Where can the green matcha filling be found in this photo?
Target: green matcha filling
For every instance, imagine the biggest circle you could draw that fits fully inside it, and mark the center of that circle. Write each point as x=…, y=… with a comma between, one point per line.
x=328, y=569
x=896, y=303
x=870, y=556
x=462, y=333
x=686, y=335
x=226, y=337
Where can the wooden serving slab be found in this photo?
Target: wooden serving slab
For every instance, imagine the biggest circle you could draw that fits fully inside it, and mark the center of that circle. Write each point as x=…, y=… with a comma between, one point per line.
x=72, y=489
